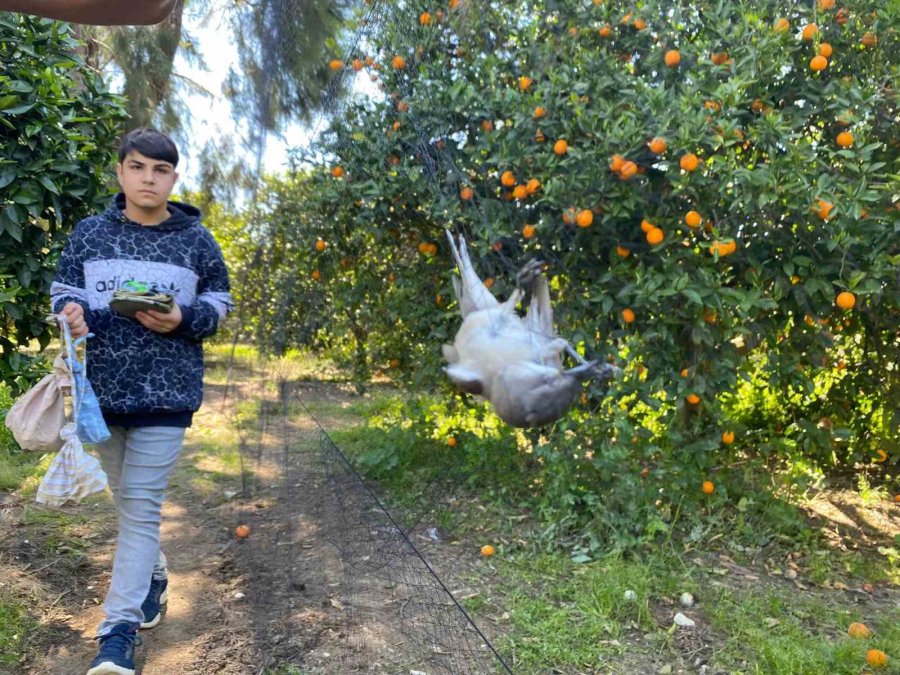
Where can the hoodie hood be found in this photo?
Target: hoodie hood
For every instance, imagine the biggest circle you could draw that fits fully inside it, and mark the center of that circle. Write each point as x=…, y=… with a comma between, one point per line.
x=181, y=215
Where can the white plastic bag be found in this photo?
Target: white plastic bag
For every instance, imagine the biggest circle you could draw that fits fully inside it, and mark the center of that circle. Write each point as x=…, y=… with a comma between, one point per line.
x=73, y=474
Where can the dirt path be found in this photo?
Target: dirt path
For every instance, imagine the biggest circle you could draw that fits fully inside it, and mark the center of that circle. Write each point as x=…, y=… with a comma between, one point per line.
x=196, y=542
x=277, y=602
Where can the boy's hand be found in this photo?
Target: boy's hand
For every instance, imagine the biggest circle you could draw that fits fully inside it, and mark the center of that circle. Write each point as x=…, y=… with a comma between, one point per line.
x=74, y=315
x=158, y=321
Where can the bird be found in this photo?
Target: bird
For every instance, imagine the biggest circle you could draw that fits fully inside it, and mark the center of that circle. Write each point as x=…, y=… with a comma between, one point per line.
x=512, y=361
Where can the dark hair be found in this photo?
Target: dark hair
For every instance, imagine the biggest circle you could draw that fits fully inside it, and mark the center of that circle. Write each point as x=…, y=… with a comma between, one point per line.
x=150, y=143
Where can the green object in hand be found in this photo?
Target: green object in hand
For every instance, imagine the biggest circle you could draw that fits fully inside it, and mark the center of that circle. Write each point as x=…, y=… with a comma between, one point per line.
x=130, y=302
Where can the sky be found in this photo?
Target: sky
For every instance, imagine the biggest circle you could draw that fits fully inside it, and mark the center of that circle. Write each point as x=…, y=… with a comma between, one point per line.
x=211, y=117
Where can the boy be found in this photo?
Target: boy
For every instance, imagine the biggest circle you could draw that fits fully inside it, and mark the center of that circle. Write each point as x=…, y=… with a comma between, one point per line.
x=147, y=371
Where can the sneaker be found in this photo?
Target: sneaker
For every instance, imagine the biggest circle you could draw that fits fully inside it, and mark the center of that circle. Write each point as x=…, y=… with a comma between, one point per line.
x=116, y=655
x=156, y=598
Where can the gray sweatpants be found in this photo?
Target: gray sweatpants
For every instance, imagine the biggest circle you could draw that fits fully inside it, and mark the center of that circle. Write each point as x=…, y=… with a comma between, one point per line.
x=138, y=463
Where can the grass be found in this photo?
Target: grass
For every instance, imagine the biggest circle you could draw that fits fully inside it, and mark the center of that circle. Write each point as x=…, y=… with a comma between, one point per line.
x=15, y=625
x=782, y=631
x=564, y=615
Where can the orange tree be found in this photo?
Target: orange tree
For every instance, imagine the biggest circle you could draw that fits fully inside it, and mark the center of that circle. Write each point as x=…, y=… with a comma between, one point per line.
x=711, y=184
x=58, y=128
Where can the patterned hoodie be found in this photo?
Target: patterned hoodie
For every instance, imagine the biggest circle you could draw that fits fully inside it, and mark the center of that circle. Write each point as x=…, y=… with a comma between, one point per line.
x=144, y=378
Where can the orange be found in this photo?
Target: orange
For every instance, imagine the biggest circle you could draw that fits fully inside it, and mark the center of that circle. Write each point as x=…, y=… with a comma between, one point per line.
x=825, y=50
x=398, y=63
x=520, y=192
x=757, y=105
x=242, y=531
x=672, y=58
x=646, y=226
x=709, y=315
x=424, y=248
x=782, y=25
x=466, y=194
x=487, y=125
x=845, y=300
x=689, y=162
x=451, y=442
x=507, y=179
x=842, y=16
x=320, y=245
x=524, y=82
x=708, y=487
x=539, y=136
x=337, y=171
x=623, y=252
x=629, y=169
x=876, y=658
x=845, y=139
x=539, y=112
x=394, y=363
x=684, y=372
x=489, y=282
x=335, y=64
x=569, y=215
x=719, y=58
x=628, y=315
x=403, y=106
x=882, y=456
x=316, y=275
x=824, y=210
x=693, y=399
x=810, y=31
x=605, y=31
x=396, y=125
x=425, y=19
x=561, y=147
x=719, y=247
x=818, y=63
x=616, y=162
x=658, y=145
x=728, y=437
x=487, y=551
x=584, y=218
x=693, y=219
x=532, y=186
x=869, y=40
x=655, y=236
x=357, y=65
x=826, y=4
x=528, y=231
x=640, y=24
x=438, y=300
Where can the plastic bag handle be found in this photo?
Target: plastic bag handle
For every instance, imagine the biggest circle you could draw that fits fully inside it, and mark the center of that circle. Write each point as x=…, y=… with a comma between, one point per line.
x=70, y=346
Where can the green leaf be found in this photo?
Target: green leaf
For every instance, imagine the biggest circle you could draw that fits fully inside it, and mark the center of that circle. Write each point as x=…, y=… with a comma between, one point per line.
x=693, y=296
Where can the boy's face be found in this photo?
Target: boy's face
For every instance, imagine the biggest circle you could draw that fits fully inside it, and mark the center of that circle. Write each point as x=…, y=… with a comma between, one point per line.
x=146, y=182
